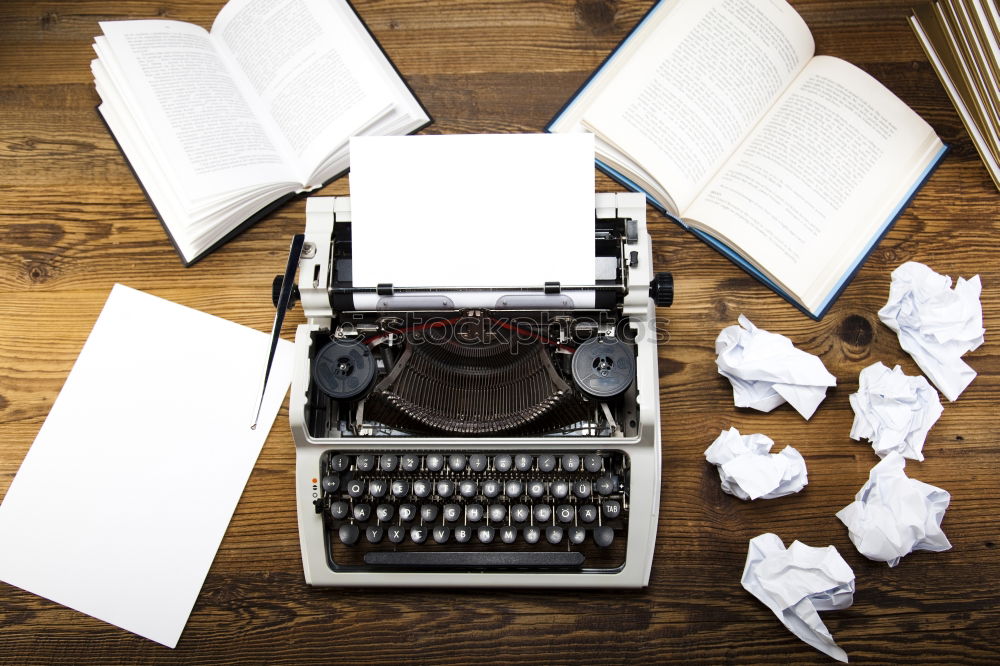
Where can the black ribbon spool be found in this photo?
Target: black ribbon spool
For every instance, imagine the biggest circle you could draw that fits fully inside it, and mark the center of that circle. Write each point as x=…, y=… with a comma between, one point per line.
x=603, y=367
x=344, y=370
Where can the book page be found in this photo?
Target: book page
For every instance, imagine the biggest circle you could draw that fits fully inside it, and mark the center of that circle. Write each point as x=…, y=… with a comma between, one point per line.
x=985, y=15
x=962, y=47
x=187, y=108
x=193, y=229
x=818, y=179
x=306, y=62
x=981, y=40
x=931, y=36
x=697, y=85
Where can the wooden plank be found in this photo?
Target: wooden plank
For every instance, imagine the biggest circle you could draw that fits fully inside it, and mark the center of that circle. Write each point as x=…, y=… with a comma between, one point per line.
x=73, y=222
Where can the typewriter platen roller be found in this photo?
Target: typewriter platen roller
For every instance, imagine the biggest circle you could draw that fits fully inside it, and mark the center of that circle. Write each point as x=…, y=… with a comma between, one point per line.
x=501, y=436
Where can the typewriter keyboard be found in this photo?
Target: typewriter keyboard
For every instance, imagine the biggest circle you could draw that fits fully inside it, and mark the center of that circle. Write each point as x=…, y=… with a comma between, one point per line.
x=545, y=510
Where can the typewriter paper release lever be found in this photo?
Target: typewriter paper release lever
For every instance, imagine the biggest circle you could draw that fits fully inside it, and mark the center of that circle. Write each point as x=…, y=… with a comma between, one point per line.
x=282, y=303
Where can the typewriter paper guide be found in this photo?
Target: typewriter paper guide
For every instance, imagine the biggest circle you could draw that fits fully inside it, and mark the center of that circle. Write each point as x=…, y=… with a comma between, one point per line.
x=120, y=504
x=473, y=210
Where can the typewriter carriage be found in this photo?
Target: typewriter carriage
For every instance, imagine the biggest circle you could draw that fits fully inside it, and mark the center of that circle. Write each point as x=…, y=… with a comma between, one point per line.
x=400, y=351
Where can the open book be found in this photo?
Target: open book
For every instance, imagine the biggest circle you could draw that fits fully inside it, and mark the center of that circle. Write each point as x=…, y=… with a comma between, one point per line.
x=793, y=166
x=962, y=42
x=221, y=126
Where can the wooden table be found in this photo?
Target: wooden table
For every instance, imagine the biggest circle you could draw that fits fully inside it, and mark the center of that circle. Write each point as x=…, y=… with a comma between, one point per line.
x=73, y=222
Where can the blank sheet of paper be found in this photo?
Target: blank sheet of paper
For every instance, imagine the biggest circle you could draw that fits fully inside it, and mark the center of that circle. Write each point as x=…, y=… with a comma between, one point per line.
x=472, y=210
x=120, y=504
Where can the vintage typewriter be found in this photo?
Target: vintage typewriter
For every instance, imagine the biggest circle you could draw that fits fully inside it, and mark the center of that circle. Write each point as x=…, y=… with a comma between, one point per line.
x=504, y=437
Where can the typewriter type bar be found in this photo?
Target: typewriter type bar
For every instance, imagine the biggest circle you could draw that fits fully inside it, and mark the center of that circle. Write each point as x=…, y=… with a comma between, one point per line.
x=491, y=437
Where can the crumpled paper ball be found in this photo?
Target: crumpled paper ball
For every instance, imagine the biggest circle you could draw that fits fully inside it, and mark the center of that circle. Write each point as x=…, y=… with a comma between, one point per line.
x=748, y=471
x=893, y=515
x=936, y=324
x=894, y=411
x=798, y=582
x=767, y=370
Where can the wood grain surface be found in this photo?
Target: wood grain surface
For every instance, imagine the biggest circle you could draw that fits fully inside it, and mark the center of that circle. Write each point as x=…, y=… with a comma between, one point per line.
x=73, y=222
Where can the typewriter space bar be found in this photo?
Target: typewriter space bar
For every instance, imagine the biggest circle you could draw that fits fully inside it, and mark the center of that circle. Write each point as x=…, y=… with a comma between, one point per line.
x=475, y=560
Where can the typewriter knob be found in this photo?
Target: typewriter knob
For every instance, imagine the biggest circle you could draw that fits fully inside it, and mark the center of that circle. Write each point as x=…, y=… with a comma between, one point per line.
x=276, y=286
x=661, y=289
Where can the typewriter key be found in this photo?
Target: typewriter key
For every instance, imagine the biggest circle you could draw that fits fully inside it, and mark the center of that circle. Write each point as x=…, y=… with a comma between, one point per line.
x=456, y=462
x=339, y=510
x=603, y=536
x=605, y=485
x=593, y=463
x=491, y=488
x=384, y=512
x=497, y=513
x=503, y=462
x=409, y=462
x=362, y=512
x=570, y=463
x=331, y=482
x=348, y=534
x=477, y=462
x=365, y=462
x=434, y=462
x=474, y=513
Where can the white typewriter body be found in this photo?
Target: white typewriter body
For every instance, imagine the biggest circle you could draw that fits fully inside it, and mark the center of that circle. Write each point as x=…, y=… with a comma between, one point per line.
x=639, y=441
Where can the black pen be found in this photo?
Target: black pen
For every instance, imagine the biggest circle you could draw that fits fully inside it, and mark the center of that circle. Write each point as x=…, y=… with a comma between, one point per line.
x=287, y=283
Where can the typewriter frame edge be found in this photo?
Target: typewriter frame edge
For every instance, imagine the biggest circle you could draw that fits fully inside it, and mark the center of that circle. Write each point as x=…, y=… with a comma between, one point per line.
x=644, y=449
